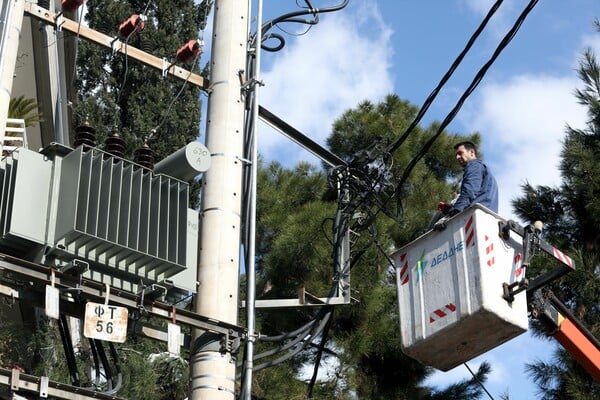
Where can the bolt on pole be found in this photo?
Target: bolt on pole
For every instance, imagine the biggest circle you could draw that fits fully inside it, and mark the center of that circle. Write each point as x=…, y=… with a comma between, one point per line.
x=212, y=367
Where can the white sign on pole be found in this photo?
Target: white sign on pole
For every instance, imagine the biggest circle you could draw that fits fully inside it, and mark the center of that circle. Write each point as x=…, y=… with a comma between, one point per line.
x=52, y=302
x=173, y=336
x=105, y=322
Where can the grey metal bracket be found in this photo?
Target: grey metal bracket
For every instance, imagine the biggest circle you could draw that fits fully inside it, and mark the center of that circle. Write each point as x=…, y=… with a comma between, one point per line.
x=229, y=344
x=305, y=299
x=75, y=267
x=149, y=294
x=532, y=244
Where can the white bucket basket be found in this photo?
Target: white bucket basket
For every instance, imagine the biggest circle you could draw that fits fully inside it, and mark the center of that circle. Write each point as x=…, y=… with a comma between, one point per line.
x=450, y=293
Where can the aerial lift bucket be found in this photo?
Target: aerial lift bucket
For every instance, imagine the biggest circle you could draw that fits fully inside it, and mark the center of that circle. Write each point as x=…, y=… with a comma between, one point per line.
x=452, y=305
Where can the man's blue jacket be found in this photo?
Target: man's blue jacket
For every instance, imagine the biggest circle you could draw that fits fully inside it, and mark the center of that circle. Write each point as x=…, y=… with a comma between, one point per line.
x=478, y=186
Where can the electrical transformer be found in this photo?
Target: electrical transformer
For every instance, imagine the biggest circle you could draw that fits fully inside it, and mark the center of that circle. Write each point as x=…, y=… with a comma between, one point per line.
x=132, y=226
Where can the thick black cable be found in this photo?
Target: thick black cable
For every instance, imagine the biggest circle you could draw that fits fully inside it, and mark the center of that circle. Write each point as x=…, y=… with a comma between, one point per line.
x=295, y=336
x=117, y=363
x=324, y=335
x=105, y=364
x=446, y=77
x=68, y=348
x=96, y=361
x=308, y=340
x=294, y=346
x=292, y=17
x=479, y=382
x=248, y=153
x=474, y=83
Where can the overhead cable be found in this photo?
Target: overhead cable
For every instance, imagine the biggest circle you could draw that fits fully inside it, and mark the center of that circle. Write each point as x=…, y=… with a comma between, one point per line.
x=166, y=113
x=293, y=17
x=446, y=77
x=474, y=83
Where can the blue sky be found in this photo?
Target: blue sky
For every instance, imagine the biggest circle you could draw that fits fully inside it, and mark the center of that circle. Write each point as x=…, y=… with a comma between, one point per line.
x=373, y=48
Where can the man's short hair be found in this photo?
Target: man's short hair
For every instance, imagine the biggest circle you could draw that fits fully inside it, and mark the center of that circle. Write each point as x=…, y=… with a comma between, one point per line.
x=468, y=145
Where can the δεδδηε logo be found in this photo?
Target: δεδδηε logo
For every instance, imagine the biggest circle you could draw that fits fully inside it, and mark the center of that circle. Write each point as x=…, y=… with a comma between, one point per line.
x=437, y=259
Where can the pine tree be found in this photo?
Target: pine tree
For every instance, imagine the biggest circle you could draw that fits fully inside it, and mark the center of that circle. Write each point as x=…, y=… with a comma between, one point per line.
x=572, y=222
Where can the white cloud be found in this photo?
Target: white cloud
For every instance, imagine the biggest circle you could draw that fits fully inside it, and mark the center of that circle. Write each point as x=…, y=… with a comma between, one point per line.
x=321, y=74
x=522, y=122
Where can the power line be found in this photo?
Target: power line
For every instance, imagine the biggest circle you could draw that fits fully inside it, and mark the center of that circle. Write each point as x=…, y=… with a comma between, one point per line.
x=479, y=382
x=446, y=76
x=474, y=83
x=166, y=113
x=293, y=17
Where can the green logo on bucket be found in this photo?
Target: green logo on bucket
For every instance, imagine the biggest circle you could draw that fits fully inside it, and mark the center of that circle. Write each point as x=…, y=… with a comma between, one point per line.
x=438, y=259
x=421, y=264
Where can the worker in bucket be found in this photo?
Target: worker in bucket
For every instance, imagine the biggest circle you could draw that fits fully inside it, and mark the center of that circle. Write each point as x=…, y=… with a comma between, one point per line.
x=478, y=185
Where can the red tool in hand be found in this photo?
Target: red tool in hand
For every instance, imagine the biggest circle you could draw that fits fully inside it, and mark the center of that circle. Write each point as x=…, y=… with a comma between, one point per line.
x=443, y=207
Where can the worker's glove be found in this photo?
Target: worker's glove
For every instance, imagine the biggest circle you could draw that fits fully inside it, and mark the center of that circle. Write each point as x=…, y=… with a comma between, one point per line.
x=440, y=225
x=443, y=207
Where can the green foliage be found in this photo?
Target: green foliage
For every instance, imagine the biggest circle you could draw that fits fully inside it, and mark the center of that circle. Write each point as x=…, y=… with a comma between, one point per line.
x=277, y=383
x=139, y=376
x=572, y=222
x=283, y=235
x=173, y=375
x=26, y=109
x=34, y=346
x=150, y=373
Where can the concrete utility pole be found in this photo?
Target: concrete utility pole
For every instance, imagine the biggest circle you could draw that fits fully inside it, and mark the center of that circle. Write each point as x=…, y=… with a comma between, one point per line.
x=212, y=369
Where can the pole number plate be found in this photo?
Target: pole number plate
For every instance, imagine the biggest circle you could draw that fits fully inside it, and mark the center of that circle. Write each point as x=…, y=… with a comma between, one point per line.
x=105, y=322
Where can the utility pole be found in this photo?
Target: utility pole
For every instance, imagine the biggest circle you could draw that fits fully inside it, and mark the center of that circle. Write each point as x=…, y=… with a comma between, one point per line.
x=212, y=367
